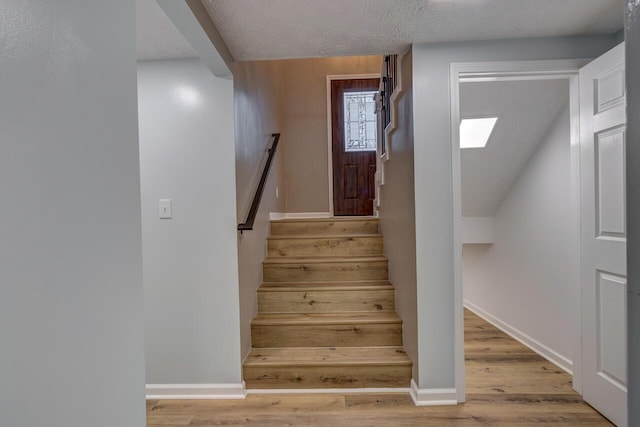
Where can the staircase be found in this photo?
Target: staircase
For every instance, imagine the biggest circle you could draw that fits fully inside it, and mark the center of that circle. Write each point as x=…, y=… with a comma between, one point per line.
x=326, y=310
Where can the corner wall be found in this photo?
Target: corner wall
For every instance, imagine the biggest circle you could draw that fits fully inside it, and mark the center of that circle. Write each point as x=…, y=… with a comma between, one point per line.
x=190, y=265
x=433, y=181
x=71, y=304
x=304, y=130
x=525, y=272
x=257, y=89
x=397, y=215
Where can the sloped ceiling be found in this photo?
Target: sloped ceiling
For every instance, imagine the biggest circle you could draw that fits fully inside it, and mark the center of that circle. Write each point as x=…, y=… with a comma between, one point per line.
x=278, y=29
x=157, y=37
x=526, y=111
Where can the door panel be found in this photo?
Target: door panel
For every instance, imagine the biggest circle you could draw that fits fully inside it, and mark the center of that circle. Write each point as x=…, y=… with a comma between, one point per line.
x=610, y=215
x=611, y=327
x=603, y=235
x=350, y=181
x=353, y=171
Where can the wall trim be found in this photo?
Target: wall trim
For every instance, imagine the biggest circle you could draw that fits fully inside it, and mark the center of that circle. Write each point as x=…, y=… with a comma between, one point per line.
x=433, y=396
x=327, y=390
x=195, y=391
x=574, y=123
x=298, y=215
x=535, y=345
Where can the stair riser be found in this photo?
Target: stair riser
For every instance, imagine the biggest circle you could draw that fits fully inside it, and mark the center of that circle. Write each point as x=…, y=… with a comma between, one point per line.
x=349, y=246
x=316, y=272
x=326, y=301
x=318, y=335
x=324, y=227
x=328, y=377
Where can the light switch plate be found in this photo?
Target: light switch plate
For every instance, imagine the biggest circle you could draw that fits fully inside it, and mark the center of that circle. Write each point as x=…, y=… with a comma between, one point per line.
x=164, y=208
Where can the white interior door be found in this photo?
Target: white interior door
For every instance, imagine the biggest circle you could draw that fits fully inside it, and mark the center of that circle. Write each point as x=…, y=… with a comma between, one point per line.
x=603, y=235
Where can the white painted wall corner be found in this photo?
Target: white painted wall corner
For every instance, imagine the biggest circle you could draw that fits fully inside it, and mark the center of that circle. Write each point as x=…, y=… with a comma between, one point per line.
x=433, y=396
x=196, y=391
x=477, y=230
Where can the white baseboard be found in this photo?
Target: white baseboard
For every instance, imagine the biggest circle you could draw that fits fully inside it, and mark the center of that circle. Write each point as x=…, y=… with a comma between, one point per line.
x=433, y=396
x=195, y=391
x=327, y=390
x=298, y=215
x=544, y=351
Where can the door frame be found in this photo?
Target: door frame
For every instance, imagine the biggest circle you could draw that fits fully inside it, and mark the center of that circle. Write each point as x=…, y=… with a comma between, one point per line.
x=514, y=71
x=330, y=78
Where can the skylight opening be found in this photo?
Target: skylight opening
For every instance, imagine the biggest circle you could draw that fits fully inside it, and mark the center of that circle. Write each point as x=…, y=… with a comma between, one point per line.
x=475, y=133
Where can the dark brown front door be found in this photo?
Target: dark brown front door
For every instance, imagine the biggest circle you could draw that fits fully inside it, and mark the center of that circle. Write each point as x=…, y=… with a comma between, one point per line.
x=353, y=146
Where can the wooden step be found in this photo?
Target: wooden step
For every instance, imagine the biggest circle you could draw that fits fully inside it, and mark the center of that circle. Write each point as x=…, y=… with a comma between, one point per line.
x=326, y=329
x=328, y=367
x=326, y=297
x=325, y=226
x=353, y=245
x=318, y=269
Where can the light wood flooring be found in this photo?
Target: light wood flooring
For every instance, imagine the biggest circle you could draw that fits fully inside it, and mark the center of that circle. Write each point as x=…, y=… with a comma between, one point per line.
x=326, y=310
x=507, y=385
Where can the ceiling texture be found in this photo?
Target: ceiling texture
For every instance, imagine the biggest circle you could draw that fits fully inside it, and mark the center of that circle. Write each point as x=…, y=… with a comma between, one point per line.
x=280, y=29
x=526, y=111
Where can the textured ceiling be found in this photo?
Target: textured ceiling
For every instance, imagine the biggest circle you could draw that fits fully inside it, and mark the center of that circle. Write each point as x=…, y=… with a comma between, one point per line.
x=526, y=112
x=278, y=29
x=157, y=37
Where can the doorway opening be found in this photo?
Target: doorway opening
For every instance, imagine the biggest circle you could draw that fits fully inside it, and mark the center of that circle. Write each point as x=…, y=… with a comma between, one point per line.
x=517, y=235
x=462, y=73
x=596, y=199
x=353, y=133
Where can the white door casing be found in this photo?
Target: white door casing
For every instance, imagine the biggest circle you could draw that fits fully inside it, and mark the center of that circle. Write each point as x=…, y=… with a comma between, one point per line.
x=513, y=71
x=603, y=234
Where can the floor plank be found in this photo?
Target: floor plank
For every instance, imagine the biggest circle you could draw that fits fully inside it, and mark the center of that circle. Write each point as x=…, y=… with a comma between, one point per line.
x=507, y=385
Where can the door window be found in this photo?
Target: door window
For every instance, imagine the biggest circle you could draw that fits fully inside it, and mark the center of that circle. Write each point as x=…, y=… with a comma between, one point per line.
x=360, y=128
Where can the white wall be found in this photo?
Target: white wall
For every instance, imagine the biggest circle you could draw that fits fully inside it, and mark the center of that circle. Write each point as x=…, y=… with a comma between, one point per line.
x=524, y=280
x=397, y=215
x=71, y=319
x=477, y=229
x=304, y=123
x=257, y=88
x=433, y=196
x=187, y=154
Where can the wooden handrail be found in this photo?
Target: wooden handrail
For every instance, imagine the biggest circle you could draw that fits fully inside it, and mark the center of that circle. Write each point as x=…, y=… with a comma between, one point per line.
x=255, y=204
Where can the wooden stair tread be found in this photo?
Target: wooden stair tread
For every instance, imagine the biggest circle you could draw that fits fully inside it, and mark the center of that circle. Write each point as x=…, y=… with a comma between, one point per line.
x=326, y=309
x=346, y=318
x=326, y=286
x=325, y=226
x=324, y=236
x=324, y=259
x=327, y=356
x=327, y=219
x=330, y=245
